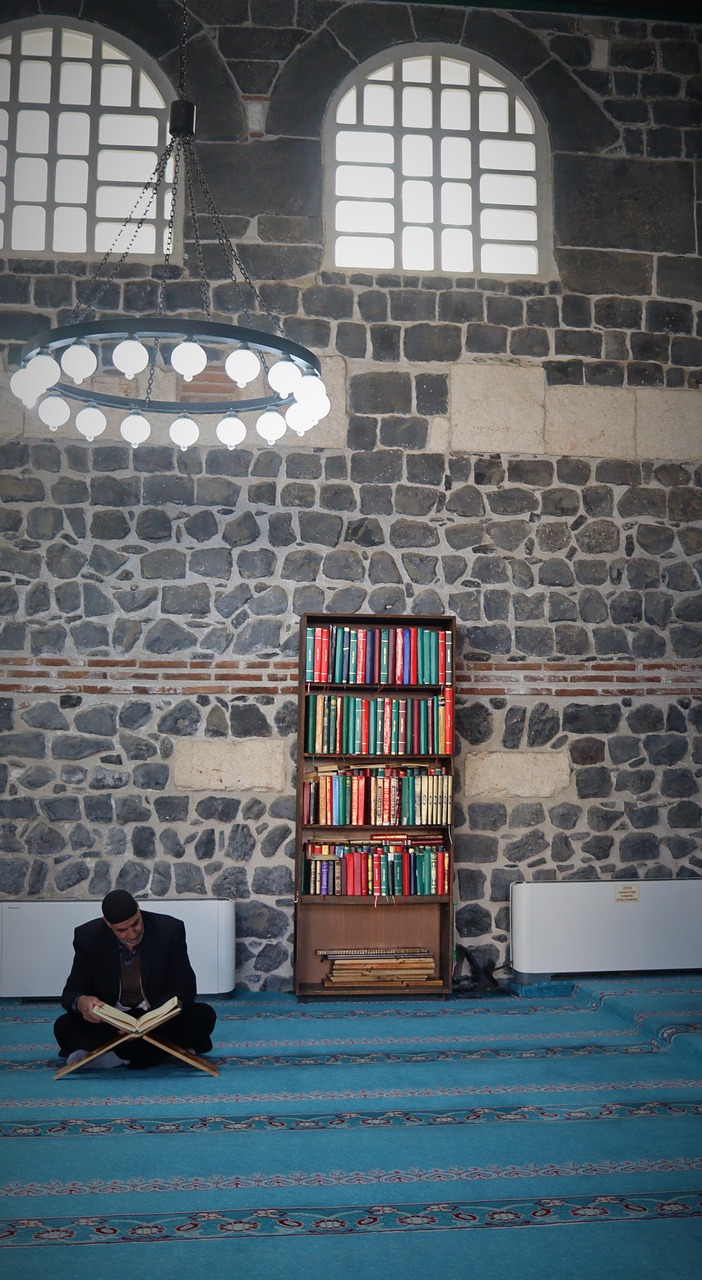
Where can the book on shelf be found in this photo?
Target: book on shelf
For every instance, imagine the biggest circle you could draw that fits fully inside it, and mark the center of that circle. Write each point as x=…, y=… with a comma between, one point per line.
x=148, y=1021
x=378, y=655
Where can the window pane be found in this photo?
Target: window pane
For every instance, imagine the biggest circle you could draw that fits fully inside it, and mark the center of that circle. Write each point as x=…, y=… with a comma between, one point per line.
x=33, y=132
x=4, y=124
x=417, y=202
x=106, y=232
x=115, y=55
x=417, y=155
x=524, y=121
x=417, y=70
x=76, y=44
x=70, y=231
x=35, y=82
x=38, y=43
x=375, y=253
x=28, y=227
x=509, y=259
x=149, y=95
x=129, y=131
x=378, y=104
x=507, y=188
x=456, y=250
x=126, y=166
x=494, y=112
x=71, y=181
x=6, y=45
x=508, y=224
x=417, y=108
x=31, y=178
x=76, y=83
x=453, y=72
x=383, y=73
x=118, y=202
x=2, y=233
x=4, y=80
x=484, y=78
x=418, y=249
x=73, y=133
x=3, y=162
x=456, y=204
x=365, y=215
x=455, y=109
x=116, y=86
x=2, y=197
x=495, y=154
x=346, y=110
x=455, y=157
x=362, y=180
x=377, y=148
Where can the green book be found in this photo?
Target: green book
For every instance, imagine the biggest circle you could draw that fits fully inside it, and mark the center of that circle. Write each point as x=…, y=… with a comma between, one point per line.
x=311, y=721
x=379, y=717
x=423, y=725
x=427, y=657
x=384, y=883
x=394, y=727
x=309, y=654
x=353, y=656
x=358, y=710
x=384, y=654
x=434, y=656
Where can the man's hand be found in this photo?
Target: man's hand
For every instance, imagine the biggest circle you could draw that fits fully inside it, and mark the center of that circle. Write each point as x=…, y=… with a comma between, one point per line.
x=85, y=1006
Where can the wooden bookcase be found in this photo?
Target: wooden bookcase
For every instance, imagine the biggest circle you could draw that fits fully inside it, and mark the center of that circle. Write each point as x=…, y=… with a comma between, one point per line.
x=374, y=845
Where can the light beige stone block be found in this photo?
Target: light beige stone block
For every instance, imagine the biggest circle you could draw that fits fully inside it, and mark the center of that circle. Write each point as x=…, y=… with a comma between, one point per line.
x=594, y=422
x=331, y=432
x=247, y=764
x=512, y=773
x=669, y=424
x=497, y=408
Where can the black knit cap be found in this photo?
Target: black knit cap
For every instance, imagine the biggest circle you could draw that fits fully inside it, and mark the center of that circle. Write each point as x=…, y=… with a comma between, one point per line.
x=118, y=906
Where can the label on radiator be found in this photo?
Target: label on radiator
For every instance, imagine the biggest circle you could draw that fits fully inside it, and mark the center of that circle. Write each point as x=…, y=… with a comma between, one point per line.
x=626, y=893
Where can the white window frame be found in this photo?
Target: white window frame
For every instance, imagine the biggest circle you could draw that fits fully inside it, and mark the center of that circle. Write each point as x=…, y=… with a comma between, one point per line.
x=96, y=181
x=386, y=203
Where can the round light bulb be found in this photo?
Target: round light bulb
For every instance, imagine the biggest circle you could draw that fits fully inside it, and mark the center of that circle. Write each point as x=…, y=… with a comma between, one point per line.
x=23, y=386
x=184, y=431
x=130, y=357
x=309, y=389
x=283, y=376
x=271, y=426
x=43, y=371
x=188, y=359
x=91, y=422
x=300, y=418
x=231, y=430
x=242, y=366
x=79, y=362
x=135, y=429
x=54, y=412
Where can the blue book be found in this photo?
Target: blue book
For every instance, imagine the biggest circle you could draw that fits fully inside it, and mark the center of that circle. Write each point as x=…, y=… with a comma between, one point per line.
x=405, y=655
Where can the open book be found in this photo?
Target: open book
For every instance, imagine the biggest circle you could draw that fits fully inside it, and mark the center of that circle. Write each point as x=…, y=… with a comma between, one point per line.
x=138, y=1026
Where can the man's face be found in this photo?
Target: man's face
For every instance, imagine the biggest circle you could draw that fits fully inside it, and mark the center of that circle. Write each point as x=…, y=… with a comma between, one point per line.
x=128, y=932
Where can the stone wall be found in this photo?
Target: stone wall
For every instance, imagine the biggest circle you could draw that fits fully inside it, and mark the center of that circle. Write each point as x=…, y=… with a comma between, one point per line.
x=521, y=454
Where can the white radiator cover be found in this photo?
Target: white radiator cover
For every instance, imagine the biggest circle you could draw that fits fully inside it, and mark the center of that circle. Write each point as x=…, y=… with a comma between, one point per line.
x=36, y=942
x=605, y=926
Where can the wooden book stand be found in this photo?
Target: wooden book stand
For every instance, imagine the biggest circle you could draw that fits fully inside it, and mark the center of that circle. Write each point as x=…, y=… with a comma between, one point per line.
x=175, y=1050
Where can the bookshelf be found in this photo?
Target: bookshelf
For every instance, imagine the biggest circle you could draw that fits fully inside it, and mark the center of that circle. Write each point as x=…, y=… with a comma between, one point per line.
x=374, y=844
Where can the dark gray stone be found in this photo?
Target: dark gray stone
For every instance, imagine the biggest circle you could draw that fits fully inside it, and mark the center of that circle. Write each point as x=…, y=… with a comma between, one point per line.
x=168, y=637
x=514, y=728
x=151, y=777
x=544, y=725
x=473, y=921
x=77, y=747
x=528, y=814
x=639, y=847
x=45, y=715
x=528, y=846
x=486, y=816
x=653, y=213
x=474, y=723
x=595, y=718
x=183, y=719
x=665, y=748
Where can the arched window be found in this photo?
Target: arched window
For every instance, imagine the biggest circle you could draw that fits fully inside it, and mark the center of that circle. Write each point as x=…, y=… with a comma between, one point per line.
x=83, y=119
x=437, y=161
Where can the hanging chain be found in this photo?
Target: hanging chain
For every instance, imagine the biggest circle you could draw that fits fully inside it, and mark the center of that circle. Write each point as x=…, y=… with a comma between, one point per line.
x=182, y=46
x=188, y=157
x=176, y=146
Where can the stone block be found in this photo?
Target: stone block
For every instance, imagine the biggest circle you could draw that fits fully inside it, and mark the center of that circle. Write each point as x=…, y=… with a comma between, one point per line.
x=653, y=210
x=253, y=764
x=668, y=423
x=590, y=421
x=506, y=773
x=497, y=409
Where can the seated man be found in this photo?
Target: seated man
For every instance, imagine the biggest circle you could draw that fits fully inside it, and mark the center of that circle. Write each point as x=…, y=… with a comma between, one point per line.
x=135, y=960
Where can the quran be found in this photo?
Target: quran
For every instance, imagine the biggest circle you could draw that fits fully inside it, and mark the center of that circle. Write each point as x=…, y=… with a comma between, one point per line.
x=138, y=1026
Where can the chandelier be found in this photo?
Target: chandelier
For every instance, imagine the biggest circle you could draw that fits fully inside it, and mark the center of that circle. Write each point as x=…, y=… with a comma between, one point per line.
x=77, y=361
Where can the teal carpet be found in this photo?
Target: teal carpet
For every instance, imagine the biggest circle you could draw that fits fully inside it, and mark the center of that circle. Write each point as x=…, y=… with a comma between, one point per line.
x=553, y=1134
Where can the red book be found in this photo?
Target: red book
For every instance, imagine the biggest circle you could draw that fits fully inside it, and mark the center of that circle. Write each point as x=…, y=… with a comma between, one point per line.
x=399, y=652
x=362, y=799
x=365, y=720
x=324, y=657
x=392, y=650
x=448, y=720
x=413, y=655
x=405, y=872
x=442, y=657
x=387, y=726
x=363, y=863
x=376, y=871
x=361, y=657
